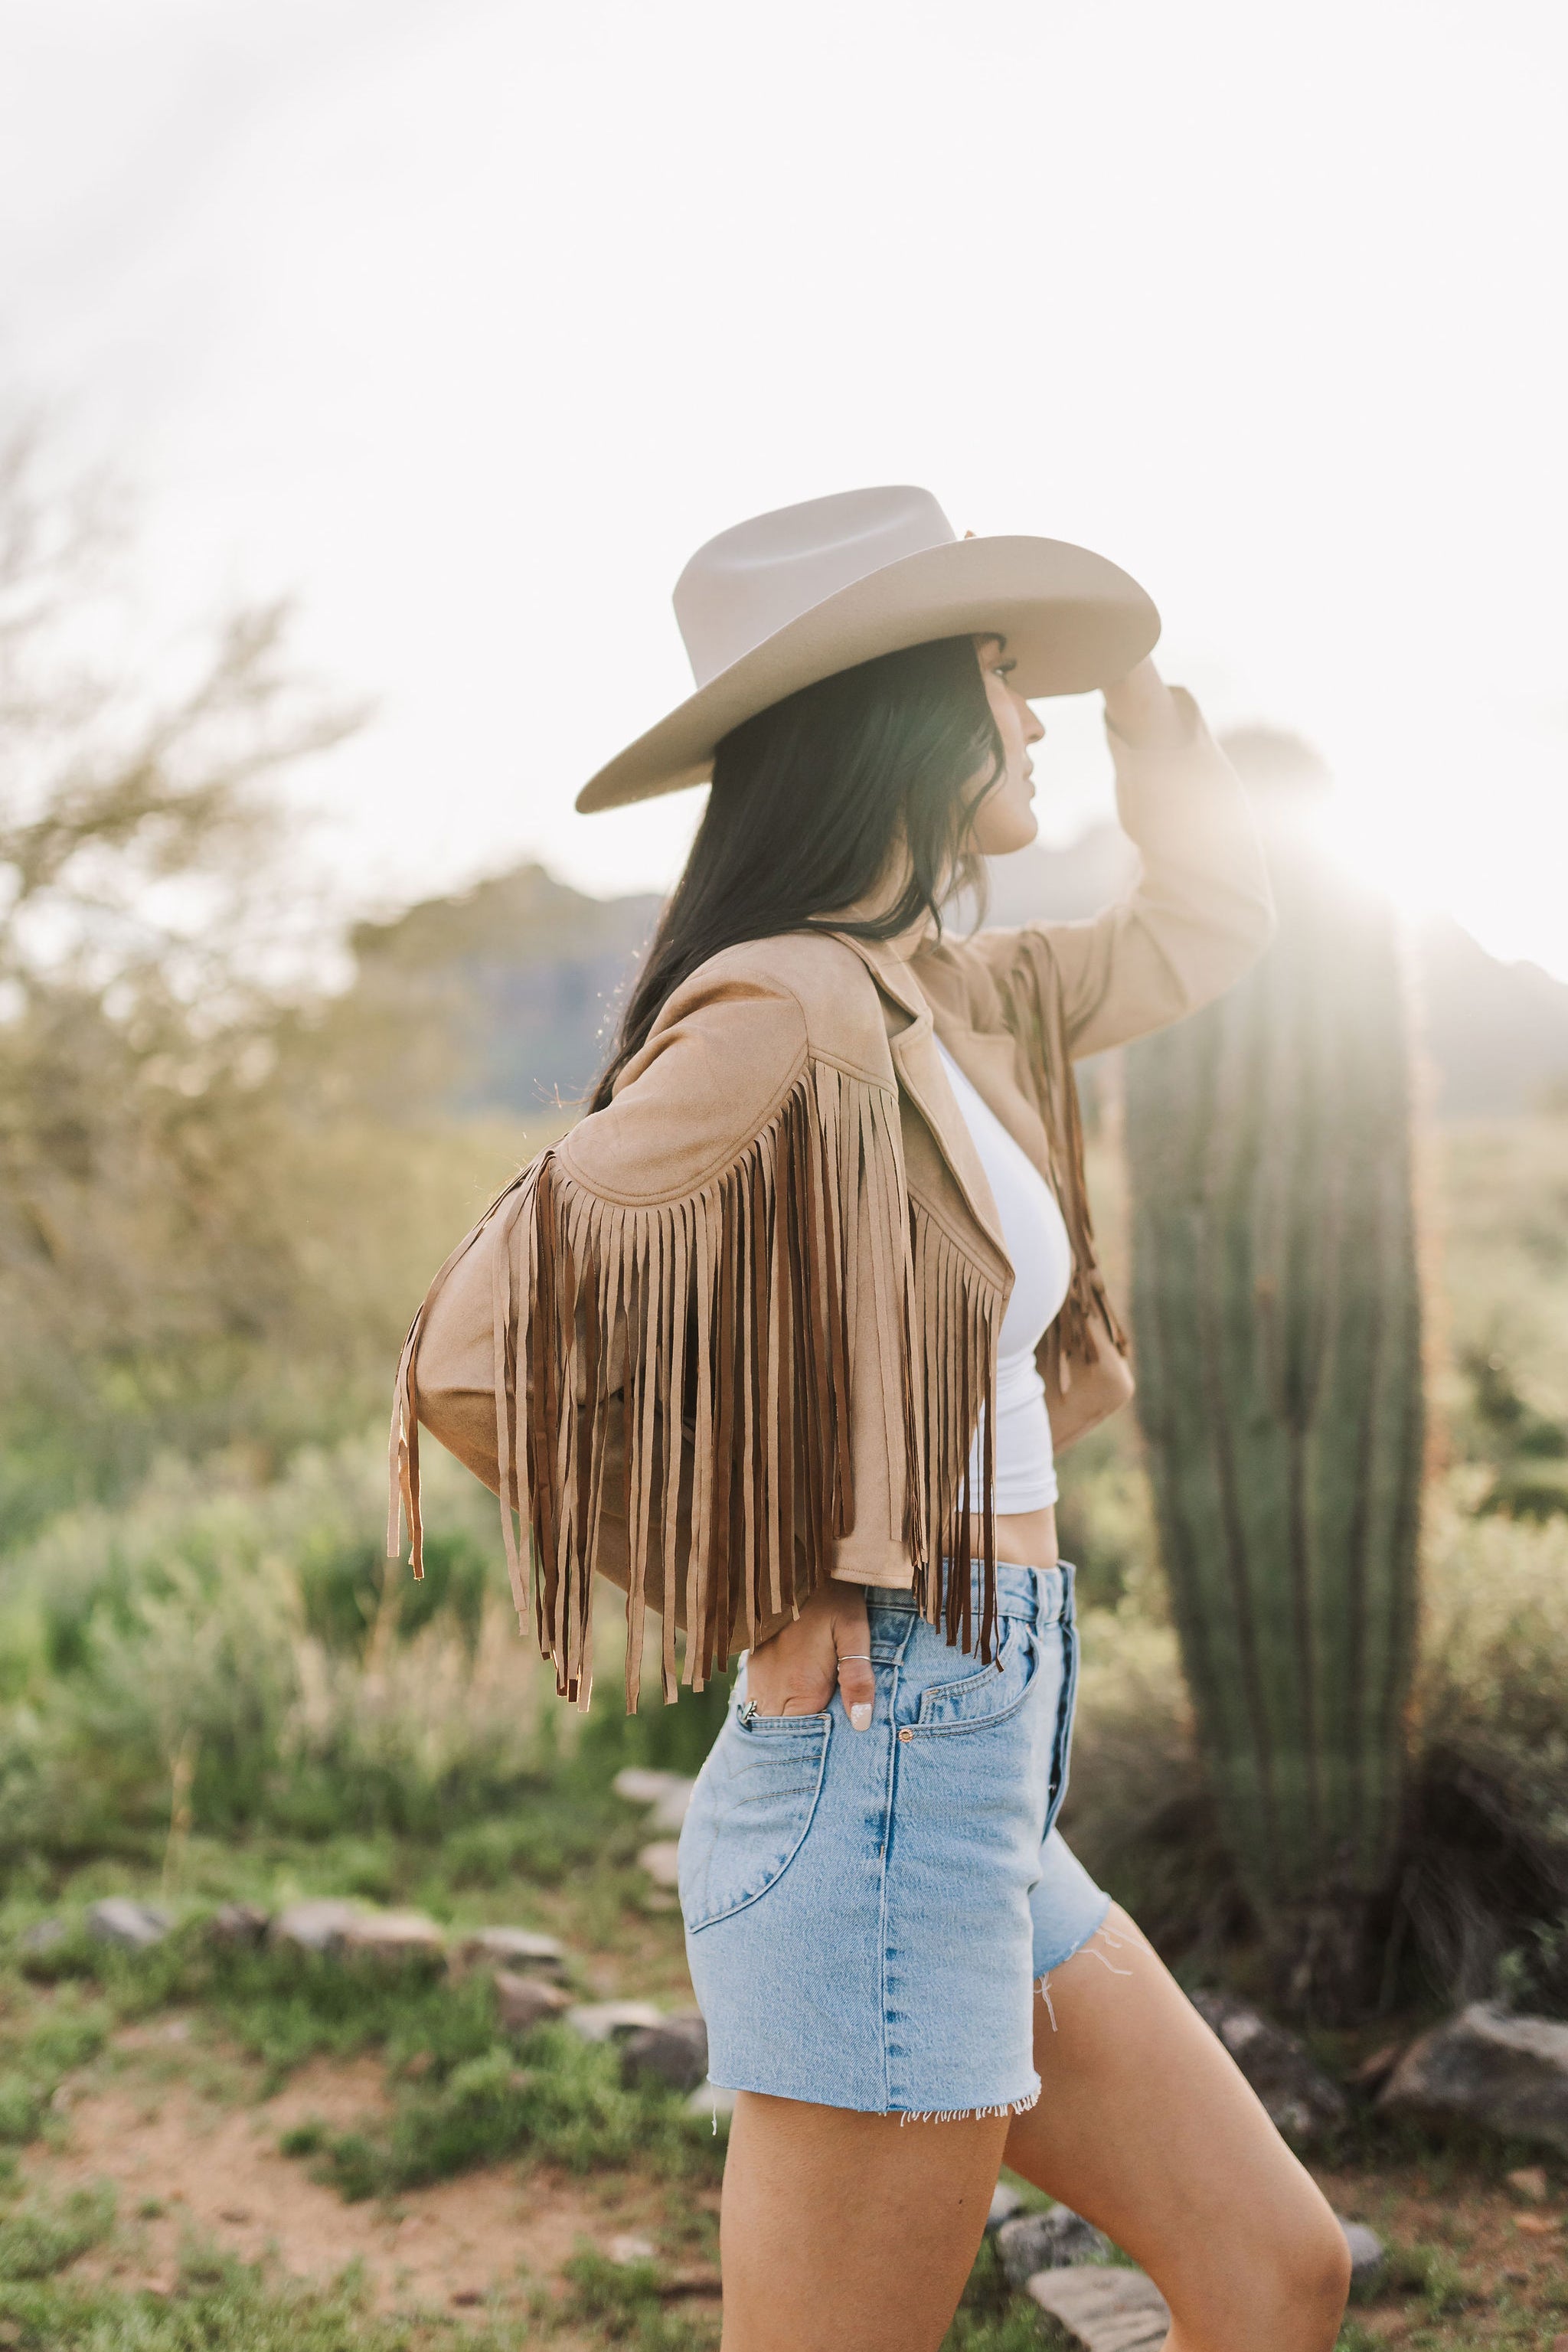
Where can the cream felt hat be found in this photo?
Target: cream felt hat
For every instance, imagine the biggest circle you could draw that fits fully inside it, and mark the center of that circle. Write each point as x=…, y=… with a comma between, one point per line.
x=790, y=597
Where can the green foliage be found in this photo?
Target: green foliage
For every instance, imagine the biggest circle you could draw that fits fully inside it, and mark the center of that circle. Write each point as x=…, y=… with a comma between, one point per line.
x=561, y=2101
x=991, y=2317
x=221, y=2306
x=39, y=2235
x=620, y=2301
x=1277, y=1315
x=37, y=2052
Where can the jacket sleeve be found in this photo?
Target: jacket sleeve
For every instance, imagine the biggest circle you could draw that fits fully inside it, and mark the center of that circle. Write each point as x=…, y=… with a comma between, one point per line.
x=1200, y=912
x=649, y=1328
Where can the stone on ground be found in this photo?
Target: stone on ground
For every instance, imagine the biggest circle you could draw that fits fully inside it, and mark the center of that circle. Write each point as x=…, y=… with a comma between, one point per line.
x=662, y=1862
x=521, y=1949
x=1488, y=2066
x=1528, y=2182
x=133, y=1925
x=239, y=1923
x=608, y=2020
x=669, y=1810
x=627, y=2250
x=1104, y=2308
x=1367, y=2255
x=674, y=2051
x=523, y=2002
x=1303, y=2102
x=394, y=1936
x=1004, y=2203
x=640, y=1786
x=318, y=1925
x=1047, y=2242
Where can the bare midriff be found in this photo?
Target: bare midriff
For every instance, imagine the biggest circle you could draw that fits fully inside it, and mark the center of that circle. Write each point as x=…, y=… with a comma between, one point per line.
x=1028, y=1539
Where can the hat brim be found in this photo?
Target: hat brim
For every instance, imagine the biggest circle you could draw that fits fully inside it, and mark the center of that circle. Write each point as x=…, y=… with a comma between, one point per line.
x=1072, y=620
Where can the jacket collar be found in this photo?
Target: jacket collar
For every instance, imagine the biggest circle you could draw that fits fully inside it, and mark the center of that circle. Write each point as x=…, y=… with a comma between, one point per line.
x=922, y=1077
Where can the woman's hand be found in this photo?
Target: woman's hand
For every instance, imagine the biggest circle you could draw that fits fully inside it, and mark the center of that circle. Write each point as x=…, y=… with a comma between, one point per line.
x=1140, y=704
x=828, y=1643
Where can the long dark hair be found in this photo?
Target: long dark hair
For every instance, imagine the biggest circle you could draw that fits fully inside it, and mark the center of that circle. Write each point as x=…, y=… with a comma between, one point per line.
x=808, y=802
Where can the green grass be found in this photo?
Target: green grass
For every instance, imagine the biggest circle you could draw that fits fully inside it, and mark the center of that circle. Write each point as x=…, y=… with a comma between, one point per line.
x=555, y=2099
x=220, y=2306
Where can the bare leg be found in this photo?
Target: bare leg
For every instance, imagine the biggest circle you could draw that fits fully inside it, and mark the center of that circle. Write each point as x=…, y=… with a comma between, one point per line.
x=1147, y=2126
x=842, y=2230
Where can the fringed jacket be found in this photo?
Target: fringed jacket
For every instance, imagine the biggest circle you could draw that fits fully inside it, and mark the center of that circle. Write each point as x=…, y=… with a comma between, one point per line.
x=734, y=1334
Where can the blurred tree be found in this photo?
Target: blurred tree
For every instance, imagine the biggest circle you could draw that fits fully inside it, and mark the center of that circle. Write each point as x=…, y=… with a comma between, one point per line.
x=1277, y=1312
x=153, y=945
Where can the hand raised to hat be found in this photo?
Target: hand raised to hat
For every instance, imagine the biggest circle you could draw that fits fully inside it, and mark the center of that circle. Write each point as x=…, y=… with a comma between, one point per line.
x=1140, y=707
x=827, y=1645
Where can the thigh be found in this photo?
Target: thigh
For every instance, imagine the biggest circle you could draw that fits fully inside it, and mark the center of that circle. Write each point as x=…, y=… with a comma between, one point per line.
x=1146, y=2125
x=846, y=2230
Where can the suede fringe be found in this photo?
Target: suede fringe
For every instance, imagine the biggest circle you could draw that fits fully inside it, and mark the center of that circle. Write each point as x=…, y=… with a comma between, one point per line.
x=713, y=1337
x=1034, y=1012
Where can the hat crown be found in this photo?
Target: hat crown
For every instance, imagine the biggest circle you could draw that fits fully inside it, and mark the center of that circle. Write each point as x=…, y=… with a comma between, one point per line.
x=752, y=580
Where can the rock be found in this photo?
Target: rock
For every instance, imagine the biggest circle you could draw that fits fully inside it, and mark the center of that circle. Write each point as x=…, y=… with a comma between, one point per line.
x=662, y=1862
x=1367, y=2255
x=1004, y=2203
x=523, y=2002
x=608, y=2020
x=316, y=1927
x=1047, y=2242
x=1103, y=2307
x=713, y=2099
x=238, y=1925
x=1303, y=2102
x=133, y=1925
x=521, y=1949
x=669, y=1810
x=641, y=1786
x=674, y=2051
x=1376, y=2068
x=1528, y=2182
x=393, y=1935
x=1491, y=2067
x=629, y=2250
x=44, y=1935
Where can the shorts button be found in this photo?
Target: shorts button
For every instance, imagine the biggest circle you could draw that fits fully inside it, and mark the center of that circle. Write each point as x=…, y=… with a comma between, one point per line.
x=906, y=1735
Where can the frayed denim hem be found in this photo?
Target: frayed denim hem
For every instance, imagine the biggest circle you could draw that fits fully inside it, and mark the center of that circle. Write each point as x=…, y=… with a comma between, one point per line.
x=970, y=2115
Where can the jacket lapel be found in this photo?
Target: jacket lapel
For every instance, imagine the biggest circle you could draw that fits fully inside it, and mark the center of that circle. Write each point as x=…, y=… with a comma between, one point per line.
x=923, y=1079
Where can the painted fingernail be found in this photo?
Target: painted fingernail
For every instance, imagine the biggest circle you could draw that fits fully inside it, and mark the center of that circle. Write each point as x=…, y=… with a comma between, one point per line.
x=860, y=1716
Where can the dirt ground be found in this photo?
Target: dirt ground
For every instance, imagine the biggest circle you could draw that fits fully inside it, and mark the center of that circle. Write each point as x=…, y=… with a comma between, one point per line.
x=173, y=2117
x=173, y=2122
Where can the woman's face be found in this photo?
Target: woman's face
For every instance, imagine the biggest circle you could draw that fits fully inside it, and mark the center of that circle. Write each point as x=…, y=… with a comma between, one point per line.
x=1005, y=818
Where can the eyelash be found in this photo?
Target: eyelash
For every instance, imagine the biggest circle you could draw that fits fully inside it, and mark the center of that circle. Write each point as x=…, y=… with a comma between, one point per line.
x=1005, y=668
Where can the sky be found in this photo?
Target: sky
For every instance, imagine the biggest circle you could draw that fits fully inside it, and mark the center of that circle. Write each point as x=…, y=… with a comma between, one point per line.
x=464, y=324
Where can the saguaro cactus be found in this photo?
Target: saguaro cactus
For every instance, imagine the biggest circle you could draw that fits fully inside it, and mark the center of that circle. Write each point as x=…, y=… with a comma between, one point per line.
x=1277, y=1323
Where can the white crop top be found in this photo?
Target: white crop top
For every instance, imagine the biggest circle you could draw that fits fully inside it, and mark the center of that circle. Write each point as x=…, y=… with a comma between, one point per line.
x=1038, y=1243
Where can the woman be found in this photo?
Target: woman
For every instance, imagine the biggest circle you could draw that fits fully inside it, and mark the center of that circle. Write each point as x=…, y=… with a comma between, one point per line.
x=783, y=1337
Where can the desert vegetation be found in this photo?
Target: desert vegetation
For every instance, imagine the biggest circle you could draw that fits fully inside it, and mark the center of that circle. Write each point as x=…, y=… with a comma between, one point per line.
x=225, y=1174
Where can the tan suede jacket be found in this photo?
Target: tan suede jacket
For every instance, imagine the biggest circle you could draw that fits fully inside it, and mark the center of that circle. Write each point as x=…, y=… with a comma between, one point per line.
x=734, y=1334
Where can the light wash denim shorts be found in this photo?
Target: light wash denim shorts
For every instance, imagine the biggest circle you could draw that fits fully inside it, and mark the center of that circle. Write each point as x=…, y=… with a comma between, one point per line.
x=869, y=1914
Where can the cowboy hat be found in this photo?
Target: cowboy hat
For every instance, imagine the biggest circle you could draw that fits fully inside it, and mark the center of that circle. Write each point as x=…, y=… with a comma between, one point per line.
x=786, y=598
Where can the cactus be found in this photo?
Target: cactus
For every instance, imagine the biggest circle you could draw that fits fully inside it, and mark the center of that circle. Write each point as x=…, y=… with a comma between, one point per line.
x=1278, y=1334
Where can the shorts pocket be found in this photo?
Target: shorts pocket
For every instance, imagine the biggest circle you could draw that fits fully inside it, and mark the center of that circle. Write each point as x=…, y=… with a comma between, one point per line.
x=749, y=1812
x=990, y=1695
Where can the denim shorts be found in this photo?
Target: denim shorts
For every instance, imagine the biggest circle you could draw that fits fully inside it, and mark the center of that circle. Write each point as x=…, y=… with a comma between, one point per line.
x=868, y=1914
